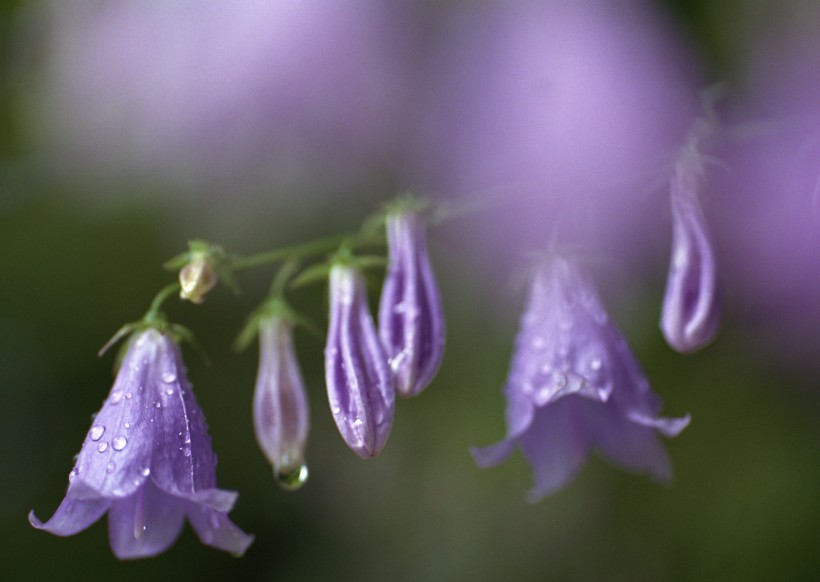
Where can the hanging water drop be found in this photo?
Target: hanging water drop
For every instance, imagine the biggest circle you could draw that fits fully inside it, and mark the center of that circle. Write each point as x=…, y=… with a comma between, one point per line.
x=291, y=480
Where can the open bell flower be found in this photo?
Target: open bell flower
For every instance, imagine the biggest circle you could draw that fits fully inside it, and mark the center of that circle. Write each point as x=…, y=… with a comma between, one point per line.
x=147, y=460
x=360, y=387
x=689, y=319
x=411, y=319
x=281, y=417
x=574, y=386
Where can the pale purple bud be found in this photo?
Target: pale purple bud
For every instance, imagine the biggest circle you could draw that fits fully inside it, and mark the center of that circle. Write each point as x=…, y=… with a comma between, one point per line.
x=574, y=386
x=690, y=315
x=360, y=387
x=411, y=319
x=147, y=461
x=281, y=416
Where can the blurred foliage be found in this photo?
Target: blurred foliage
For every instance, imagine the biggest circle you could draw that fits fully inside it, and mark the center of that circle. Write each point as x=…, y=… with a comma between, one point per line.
x=744, y=505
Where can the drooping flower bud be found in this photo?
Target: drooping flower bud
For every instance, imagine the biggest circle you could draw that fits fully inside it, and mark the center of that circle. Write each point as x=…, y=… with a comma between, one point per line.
x=360, y=387
x=281, y=416
x=411, y=319
x=689, y=319
x=196, y=279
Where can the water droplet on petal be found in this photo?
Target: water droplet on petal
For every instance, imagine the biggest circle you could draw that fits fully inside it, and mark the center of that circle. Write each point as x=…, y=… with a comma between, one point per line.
x=169, y=392
x=102, y=447
x=291, y=480
x=145, y=471
x=115, y=397
x=119, y=443
x=73, y=474
x=129, y=395
x=127, y=425
x=186, y=452
x=96, y=432
x=595, y=363
x=169, y=377
x=157, y=404
x=110, y=468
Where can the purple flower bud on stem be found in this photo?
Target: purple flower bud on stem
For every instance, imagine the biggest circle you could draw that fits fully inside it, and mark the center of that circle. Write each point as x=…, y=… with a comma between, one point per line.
x=281, y=416
x=411, y=319
x=147, y=461
x=360, y=388
x=690, y=315
x=574, y=385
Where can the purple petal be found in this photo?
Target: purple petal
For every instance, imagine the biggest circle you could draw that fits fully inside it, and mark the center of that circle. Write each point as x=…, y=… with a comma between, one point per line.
x=556, y=445
x=145, y=524
x=630, y=445
x=411, y=319
x=183, y=461
x=690, y=309
x=281, y=415
x=492, y=455
x=561, y=348
x=118, y=447
x=215, y=529
x=669, y=427
x=359, y=384
x=75, y=513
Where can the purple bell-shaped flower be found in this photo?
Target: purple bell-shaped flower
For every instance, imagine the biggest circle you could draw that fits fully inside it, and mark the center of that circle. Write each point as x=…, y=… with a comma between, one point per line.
x=147, y=461
x=575, y=386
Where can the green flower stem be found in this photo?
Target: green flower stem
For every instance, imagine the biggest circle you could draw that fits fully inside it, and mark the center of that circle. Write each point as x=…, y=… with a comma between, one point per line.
x=318, y=246
x=154, y=311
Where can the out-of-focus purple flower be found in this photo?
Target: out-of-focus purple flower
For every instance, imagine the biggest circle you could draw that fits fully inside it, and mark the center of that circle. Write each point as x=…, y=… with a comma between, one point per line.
x=411, y=319
x=229, y=90
x=360, y=387
x=280, y=407
x=769, y=213
x=689, y=319
x=148, y=461
x=575, y=386
x=565, y=112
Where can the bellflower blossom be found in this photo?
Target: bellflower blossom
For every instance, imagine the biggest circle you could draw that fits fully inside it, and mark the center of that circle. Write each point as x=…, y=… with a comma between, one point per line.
x=770, y=215
x=411, y=319
x=147, y=461
x=689, y=318
x=360, y=387
x=566, y=109
x=224, y=91
x=281, y=416
x=574, y=386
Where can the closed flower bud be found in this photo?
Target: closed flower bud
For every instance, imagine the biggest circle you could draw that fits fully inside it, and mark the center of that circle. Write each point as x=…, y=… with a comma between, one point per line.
x=689, y=319
x=360, y=386
x=196, y=279
x=280, y=405
x=411, y=319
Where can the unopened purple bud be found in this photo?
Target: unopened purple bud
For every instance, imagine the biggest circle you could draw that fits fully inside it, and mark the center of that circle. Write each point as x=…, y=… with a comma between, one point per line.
x=360, y=386
x=281, y=416
x=411, y=319
x=690, y=307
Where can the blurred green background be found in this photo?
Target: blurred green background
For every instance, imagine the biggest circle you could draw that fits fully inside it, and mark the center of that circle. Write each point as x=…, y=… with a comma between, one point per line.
x=77, y=263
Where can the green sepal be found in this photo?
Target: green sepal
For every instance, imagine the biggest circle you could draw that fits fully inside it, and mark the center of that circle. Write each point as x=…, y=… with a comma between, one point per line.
x=313, y=274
